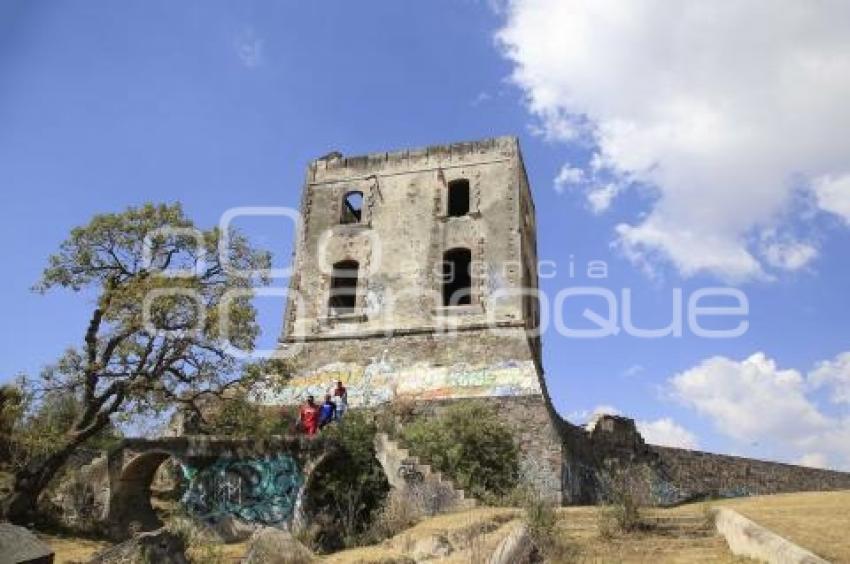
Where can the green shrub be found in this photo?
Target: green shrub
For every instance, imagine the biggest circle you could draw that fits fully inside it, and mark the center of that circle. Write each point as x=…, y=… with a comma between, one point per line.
x=349, y=487
x=470, y=445
x=238, y=417
x=35, y=425
x=542, y=523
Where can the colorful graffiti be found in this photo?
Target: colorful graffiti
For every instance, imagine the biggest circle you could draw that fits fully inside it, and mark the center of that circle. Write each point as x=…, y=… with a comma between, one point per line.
x=254, y=490
x=379, y=382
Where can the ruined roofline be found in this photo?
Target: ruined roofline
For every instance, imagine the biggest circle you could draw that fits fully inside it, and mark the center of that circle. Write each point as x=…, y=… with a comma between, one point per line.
x=469, y=152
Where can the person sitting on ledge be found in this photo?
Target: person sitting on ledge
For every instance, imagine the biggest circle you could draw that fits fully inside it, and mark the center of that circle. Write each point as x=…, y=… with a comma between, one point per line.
x=327, y=412
x=309, y=417
x=342, y=393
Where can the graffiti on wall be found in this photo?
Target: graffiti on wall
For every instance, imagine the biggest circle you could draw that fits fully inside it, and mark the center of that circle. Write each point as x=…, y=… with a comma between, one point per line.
x=255, y=490
x=379, y=382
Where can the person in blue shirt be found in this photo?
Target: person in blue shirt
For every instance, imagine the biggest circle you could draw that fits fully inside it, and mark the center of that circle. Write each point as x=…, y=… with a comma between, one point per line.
x=327, y=412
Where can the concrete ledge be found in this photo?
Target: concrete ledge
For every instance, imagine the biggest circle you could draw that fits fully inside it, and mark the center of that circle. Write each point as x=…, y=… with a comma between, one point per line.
x=515, y=547
x=747, y=538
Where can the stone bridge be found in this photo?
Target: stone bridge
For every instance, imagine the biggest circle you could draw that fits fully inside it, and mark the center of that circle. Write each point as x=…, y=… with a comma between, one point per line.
x=260, y=481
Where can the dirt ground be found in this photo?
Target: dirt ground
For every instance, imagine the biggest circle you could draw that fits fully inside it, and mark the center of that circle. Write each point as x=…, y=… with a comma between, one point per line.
x=71, y=550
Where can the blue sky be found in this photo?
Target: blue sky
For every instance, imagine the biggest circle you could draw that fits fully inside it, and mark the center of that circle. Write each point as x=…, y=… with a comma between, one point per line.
x=222, y=104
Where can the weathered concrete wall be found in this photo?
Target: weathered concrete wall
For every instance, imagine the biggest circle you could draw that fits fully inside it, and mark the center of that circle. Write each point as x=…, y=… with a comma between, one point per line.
x=749, y=539
x=474, y=363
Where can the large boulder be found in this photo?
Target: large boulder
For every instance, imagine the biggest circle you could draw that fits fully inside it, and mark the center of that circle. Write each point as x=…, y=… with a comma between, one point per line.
x=161, y=546
x=226, y=529
x=274, y=546
x=20, y=546
x=230, y=529
x=80, y=498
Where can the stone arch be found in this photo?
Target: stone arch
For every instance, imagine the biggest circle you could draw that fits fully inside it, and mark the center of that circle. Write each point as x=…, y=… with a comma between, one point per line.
x=319, y=470
x=130, y=502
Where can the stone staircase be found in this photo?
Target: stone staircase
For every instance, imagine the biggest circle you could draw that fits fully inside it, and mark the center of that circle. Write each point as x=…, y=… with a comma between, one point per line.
x=406, y=472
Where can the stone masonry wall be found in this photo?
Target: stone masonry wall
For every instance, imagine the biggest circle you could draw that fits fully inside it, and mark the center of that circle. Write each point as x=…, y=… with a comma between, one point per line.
x=612, y=446
x=404, y=230
x=722, y=475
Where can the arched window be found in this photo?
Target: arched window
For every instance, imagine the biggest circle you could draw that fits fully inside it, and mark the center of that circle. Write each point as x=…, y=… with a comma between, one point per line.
x=457, y=280
x=352, y=207
x=458, y=197
x=343, y=295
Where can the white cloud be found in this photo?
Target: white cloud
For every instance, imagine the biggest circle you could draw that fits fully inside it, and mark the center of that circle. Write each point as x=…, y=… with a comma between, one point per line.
x=754, y=401
x=249, y=48
x=480, y=99
x=749, y=400
x=814, y=460
x=666, y=432
x=725, y=108
x=835, y=374
x=633, y=370
x=600, y=198
x=833, y=195
x=791, y=255
x=568, y=177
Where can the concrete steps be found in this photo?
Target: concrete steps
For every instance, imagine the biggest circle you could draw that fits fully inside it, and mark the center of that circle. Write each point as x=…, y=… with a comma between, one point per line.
x=405, y=471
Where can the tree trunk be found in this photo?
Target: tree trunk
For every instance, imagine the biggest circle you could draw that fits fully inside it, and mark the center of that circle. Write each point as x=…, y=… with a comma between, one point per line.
x=20, y=506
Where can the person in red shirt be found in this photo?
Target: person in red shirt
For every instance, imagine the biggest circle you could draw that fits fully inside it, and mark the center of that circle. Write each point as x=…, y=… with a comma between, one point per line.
x=309, y=417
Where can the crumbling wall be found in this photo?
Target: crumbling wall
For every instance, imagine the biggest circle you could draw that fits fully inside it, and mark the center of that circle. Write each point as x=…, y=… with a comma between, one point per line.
x=704, y=473
x=595, y=458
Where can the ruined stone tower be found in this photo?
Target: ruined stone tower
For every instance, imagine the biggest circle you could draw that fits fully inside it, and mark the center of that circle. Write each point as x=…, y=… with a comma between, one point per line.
x=408, y=284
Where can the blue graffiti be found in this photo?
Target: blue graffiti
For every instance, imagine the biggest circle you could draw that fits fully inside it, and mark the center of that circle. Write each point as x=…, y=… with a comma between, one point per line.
x=255, y=490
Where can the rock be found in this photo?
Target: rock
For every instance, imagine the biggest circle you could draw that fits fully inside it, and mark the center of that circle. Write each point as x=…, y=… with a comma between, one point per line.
x=80, y=498
x=432, y=547
x=227, y=529
x=161, y=546
x=18, y=545
x=274, y=546
x=230, y=529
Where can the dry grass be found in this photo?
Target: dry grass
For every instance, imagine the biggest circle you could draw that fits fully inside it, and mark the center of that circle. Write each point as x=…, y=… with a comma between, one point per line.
x=672, y=537
x=72, y=549
x=818, y=521
x=470, y=534
x=677, y=536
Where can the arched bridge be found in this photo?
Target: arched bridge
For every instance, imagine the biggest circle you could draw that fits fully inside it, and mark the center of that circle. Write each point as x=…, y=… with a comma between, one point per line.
x=255, y=480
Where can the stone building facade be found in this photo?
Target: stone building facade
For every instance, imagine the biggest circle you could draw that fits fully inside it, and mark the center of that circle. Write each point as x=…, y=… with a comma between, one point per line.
x=414, y=278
